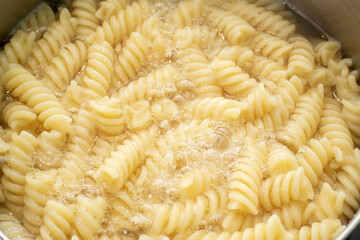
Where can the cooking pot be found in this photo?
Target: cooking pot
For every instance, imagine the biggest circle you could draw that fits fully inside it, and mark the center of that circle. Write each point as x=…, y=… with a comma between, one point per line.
x=332, y=19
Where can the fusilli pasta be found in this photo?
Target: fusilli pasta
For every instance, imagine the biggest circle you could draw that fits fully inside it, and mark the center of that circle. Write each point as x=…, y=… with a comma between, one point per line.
x=293, y=185
x=234, y=28
x=58, y=33
x=49, y=109
x=84, y=12
x=41, y=18
x=183, y=119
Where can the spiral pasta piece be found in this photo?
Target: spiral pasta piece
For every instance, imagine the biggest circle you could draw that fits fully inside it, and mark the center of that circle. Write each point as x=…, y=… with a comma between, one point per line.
x=342, y=68
x=322, y=75
x=107, y=115
x=242, y=56
x=19, y=163
x=71, y=169
x=12, y=228
x=272, y=229
x=217, y=108
x=186, y=12
x=305, y=119
x=88, y=216
x=196, y=63
x=348, y=182
x=58, y=33
x=84, y=12
x=63, y=67
x=292, y=215
x=313, y=158
x=199, y=35
x=293, y=185
x=268, y=69
x=108, y=8
x=38, y=184
x=150, y=28
x=18, y=116
x=329, y=203
x=17, y=50
x=124, y=208
x=117, y=168
x=146, y=88
x=99, y=69
x=181, y=215
x=295, y=214
x=53, y=144
x=234, y=28
x=347, y=87
x=246, y=178
x=273, y=6
x=83, y=131
x=232, y=78
x=272, y=47
x=290, y=91
x=258, y=103
x=318, y=230
x=236, y=221
x=244, y=185
x=42, y=17
x=171, y=113
x=326, y=51
x=121, y=24
x=58, y=220
x=334, y=128
x=350, y=111
x=271, y=121
x=131, y=57
x=44, y=103
x=148, y=237
x=301, y=58
x=281, y=160
x=138, y=115
x=194, y=183
x=263, y=19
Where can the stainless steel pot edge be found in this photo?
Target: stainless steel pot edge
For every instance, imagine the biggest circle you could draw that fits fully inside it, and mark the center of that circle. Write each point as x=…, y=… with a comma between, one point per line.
x=3, y=236
x=350, y=228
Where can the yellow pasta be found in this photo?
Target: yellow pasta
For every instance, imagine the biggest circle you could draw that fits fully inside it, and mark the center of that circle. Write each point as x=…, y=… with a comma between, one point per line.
x=13, y=229
x=84, y=12
x=131, y=57
x=186, y=12
x=58, y=220
x=41, y=18
x=127, y=18
x=263, y=19
x=230, y=77
x=63, y=67
x=292, y=185
x=58, y=33
x=88, y=216
x=272, y=47
x=203, y=78
x=306, y=118
x=37, y=186
x=17, y=50
x=184, y=119
x=49, y=109
x=234, y=28
x=19, y=163
x=99, y=70
x=18, y=116
x=124, y=161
